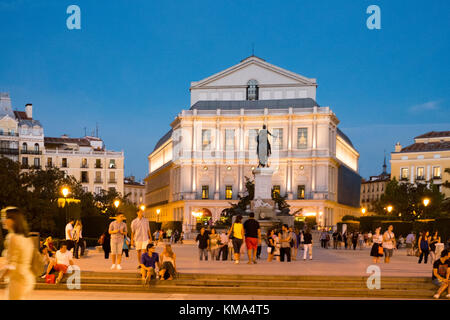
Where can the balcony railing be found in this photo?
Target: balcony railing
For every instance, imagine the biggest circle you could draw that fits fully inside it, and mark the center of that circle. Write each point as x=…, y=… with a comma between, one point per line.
x=112, y=181
x=84, y=180
x=84, y=166
x=98, y=181
x=24, y=151
x=98, y=166
x=437, y=177
x=9, y=151
x=9, y=134
x=420, y=178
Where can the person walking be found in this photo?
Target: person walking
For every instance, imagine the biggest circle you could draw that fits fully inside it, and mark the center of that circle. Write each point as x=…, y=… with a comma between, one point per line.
x=355, y=239
x=335, y=240
x=285, y=240
x=361, y=241
x=78, y=239
x=141, y=235
x=424, y=247
x=323, y=238
x=69, y=234
x=223, y=251
x=203, y=244
x=433, y=241
x=19, y=255
x=214, y=240
x=237, y=235
x=308, y=245
x=252, y=237
x=297, y=243
x=270, y=245
x=105, y=242
x=388, y=244
x=377, y=248
x=118, y=230
x=344, y=239
x=410, y=239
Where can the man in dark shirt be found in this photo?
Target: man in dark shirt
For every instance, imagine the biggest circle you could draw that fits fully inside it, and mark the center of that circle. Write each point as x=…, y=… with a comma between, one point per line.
x=252, y=237
x=203, y=244
x=441, y=273
x=308, y=244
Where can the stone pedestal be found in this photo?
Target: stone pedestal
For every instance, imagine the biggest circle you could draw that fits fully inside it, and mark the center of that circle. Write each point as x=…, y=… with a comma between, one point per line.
x=263, y=183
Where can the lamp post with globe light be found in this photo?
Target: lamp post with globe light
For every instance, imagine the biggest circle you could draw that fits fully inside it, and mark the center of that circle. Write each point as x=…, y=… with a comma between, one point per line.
x=65, y=192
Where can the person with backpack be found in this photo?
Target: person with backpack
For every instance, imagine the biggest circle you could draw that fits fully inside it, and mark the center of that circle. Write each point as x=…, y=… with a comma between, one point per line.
x=105, y=242
x=424, y=247
x=19, y=255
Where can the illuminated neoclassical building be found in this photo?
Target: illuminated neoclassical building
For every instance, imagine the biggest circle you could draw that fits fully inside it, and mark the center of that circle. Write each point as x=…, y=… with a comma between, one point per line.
x=202, y=162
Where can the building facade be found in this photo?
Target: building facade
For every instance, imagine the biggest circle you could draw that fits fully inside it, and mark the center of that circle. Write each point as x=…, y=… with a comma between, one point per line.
x=88, y=161
x=202, y=163
x=372, y=189
x=135, y=191
x=22, y=139
x=423, y=161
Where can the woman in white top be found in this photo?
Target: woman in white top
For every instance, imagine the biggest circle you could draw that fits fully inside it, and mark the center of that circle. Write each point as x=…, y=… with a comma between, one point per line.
x=377, y=247
x=19, y=254
x=388, y=243
x=168, y=263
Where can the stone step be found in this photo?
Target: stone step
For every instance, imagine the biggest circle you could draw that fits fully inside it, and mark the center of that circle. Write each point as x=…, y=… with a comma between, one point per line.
x=261, y=283
x=275, y=291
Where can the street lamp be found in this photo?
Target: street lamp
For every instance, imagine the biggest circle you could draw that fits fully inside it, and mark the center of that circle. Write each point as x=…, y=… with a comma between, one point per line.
x=426, y=202
x=390, y=208
x=363, y=211
x=65, y=192
x=142, y=207
x=116, y=203
x=158, y=211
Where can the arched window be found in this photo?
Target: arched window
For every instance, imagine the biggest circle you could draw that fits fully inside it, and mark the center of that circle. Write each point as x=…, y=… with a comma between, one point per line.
x=24, y=146
x=36, y=147
x=252, y=90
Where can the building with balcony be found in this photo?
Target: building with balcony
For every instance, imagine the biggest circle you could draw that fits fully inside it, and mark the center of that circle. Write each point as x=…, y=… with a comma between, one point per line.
x=202, y=162
x=372, y=189
x=135, y=191
x=424, y=161
x=87, y=160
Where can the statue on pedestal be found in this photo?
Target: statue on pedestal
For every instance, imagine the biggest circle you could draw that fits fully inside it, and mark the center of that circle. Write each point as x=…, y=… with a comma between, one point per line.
x=263, y=148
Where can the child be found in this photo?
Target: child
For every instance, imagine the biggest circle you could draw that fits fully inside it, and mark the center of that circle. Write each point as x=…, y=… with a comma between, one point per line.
x=126, y=245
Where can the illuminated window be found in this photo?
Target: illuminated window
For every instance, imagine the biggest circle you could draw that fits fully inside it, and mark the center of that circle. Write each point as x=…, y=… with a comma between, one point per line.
x=112, y=163
x=420, y=173
x=229, y=192
x=206, y=139
x=436, y=172
x=404, y=173
x=64, y=163
x=301, y=192
x=277, y=138
x=302, y=138
x=49, y=162
x=205, y=192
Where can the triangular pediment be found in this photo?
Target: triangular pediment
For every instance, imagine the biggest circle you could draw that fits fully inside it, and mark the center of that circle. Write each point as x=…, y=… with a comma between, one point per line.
x=254, y=68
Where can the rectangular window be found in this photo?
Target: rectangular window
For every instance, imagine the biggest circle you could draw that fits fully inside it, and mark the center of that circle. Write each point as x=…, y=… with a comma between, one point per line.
x=252, y=143
x=206, y=139
x=25, y=161
x=436, y=172
x=98, y=177
x=112, y=177
x=37, y=162
x=205, y=192
x=98, y=190
x=302, y=138
x=98, y=163
x=64, y=163
x=84, y=163
x=229, y=139
x=229, y=192
x=277, y=138
x=85, y=189
x=420, y=173
x=301, y=192
x=112, y=163
x=276, y=189
x=84, y=177
x=404, y=174
x=49, y=162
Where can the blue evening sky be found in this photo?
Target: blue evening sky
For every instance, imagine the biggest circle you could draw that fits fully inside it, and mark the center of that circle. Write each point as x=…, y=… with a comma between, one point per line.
x=130, y=66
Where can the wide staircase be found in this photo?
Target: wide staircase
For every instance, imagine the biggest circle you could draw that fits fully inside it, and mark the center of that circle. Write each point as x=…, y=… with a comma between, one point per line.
x=231, y=284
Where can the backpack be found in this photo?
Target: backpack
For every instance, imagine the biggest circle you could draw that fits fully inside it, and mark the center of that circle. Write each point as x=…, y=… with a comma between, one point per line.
x=102, y=239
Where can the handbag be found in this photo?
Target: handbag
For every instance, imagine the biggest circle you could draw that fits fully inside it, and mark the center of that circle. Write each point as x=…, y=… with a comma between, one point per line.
x=380, y=249
x=50, y=279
